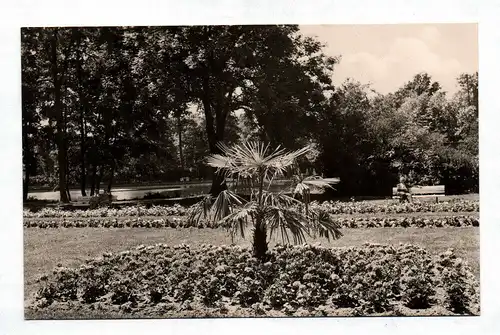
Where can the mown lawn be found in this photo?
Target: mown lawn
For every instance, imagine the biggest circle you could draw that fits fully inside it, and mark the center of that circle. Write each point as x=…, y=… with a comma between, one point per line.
x=44, y=249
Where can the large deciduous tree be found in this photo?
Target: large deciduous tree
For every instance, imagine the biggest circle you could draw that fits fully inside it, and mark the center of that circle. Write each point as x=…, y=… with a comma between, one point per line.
x=270, y=72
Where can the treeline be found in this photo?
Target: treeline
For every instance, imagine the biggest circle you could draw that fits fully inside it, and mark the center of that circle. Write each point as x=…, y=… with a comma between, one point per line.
x=369, y=140
x=145, y=104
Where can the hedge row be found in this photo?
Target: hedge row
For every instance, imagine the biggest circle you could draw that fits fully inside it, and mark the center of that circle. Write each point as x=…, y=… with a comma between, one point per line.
x=353, y=222
x=361, y=207
x=302, y=280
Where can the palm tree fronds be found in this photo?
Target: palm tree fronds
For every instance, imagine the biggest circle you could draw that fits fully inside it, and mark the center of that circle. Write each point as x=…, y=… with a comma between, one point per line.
x=225, y=203
x=244, y=212
x=238, y=220
x=201, y=210
x=301, y=184
x=286, y=219
x=250, y=157
x=278, y=199
x=323, y=223
x=216, y=209
x=319, y=183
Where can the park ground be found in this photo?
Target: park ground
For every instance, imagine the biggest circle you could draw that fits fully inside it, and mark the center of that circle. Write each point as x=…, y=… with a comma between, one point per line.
x=45, y=249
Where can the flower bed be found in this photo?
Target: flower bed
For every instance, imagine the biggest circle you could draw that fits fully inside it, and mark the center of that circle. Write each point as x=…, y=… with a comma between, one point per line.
x=344, y=222
x=174, y=210
x=303, y=281
x=361, y=207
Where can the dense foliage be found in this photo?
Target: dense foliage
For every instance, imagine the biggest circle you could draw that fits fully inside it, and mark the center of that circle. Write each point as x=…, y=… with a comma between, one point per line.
x=303, y=280
x=368, y=139
x=359, y=207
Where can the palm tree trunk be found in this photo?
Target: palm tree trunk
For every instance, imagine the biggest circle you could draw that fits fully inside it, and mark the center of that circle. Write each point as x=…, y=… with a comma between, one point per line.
x=260, y=242
x=260, y=233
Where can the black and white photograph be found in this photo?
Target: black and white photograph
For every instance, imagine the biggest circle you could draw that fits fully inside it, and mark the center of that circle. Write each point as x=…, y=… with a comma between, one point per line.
x=250, y=171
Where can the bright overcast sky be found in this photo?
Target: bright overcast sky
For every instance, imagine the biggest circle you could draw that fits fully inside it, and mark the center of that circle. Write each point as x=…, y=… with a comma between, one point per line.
x=387, y=56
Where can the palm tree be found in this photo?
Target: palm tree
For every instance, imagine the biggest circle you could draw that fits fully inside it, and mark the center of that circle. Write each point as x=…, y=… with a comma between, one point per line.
x=255, y=166
x=303, y=185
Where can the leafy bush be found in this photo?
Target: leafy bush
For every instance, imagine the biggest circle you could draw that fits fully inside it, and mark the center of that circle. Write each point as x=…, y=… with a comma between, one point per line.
x=298, y=280
x=344, y=222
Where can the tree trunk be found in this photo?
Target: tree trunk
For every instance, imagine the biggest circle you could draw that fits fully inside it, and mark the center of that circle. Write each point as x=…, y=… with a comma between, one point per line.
x=111, y=176
x=26, y=185
x=181, y=153
x=98, y=181
x=215, y=121
x=60, y=136
x=26, y=163
x=93, y=180
x=68, y=194
x=83, y=175
x=218, y=184
x=260, y=242
x=83, y=172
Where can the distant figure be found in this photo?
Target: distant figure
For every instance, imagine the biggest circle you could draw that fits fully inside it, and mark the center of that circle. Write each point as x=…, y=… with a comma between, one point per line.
x=402, y=191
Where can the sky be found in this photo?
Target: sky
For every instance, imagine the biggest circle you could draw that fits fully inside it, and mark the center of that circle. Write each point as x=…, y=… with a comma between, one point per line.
x=387, y=56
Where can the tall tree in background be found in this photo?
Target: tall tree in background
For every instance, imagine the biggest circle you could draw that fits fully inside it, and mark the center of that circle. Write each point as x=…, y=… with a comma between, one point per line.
x=59, y=54
x=460, y=158
x=31, y=83
x=227, y=66
x=286, y=98
x=46, y=53
x=343, y=137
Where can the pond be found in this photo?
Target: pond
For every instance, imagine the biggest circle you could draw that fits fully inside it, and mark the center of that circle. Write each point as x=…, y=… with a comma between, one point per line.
x=138, y=192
